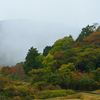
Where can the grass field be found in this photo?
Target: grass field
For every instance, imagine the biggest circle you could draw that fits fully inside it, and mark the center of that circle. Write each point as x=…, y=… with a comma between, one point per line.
x=78, y=96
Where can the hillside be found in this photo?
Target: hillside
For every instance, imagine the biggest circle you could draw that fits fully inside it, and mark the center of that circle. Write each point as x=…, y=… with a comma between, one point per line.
x=63, y=71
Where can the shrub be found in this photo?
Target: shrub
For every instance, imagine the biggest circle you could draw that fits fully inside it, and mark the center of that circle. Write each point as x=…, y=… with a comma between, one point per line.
x=52, y=87
x=70, y=91
x=11, y=76
x=96, y=85
x=9, y=91
x=1, y=97
x=16, y=98
x=26, y=98
x=87, y=83
x=39, y=85
x=4, y=82
x=84, y=83
x=22, y=91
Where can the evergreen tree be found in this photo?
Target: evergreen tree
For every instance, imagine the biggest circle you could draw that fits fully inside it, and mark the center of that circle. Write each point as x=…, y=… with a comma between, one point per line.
x=30, y=62
x=46, y=50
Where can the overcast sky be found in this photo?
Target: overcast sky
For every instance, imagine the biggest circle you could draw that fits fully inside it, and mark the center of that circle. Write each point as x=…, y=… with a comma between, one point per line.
x=74, y=13
x=39, y=23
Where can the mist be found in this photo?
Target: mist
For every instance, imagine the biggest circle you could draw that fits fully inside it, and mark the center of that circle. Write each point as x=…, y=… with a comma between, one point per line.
x=17, y=36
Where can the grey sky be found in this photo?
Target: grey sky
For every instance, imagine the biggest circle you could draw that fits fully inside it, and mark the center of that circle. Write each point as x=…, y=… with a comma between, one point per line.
x=39, y=23
x=74, y=13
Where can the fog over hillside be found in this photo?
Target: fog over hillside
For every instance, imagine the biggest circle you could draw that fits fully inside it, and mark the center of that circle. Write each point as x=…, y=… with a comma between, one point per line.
x=17, y=36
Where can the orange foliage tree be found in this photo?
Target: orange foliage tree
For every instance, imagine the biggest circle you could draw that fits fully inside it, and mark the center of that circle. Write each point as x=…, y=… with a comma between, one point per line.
x=13, y=70
x=92, y=39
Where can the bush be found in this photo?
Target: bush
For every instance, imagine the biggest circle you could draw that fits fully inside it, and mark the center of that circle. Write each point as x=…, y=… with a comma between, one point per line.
x=11, y=76
x=39, y=85
x=22, y=91
x=2, y=97
x=9, y=91
x=84, y=83
x=52, y=87
x=70, y=91
x=26, y=98
x=16, y=98
x=96, y=85
x=4, y=82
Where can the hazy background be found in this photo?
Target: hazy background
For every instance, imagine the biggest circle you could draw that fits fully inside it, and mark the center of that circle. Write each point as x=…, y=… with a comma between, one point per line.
x=39, y=23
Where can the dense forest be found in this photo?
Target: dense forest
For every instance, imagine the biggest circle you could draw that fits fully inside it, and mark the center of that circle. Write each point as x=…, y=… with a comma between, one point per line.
x=63, y=68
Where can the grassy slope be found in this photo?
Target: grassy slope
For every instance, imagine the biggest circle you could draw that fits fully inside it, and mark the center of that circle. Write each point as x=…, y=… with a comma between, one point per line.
x=78, y=96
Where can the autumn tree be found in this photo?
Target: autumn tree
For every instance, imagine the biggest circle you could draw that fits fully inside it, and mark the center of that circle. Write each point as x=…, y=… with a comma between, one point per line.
x=85, y=32
x=5, y=70
x=58, y=57
x=92, y=39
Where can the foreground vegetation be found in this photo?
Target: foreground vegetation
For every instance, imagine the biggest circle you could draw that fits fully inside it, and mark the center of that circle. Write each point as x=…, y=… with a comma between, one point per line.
x=65, y=67
x=11, y=90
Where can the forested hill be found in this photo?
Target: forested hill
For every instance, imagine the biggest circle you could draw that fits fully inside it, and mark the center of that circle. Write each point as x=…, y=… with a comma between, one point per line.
x=84, y=53
x=66, y=64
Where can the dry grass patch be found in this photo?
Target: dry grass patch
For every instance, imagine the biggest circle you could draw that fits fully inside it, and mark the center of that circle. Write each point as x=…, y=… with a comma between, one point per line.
x=96, y=91
x=83, y=96
x=78, y=96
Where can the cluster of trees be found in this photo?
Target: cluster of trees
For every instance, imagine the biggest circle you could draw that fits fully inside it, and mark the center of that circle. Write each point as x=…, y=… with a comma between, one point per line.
x=61, y=63
x=14, y=72
x=69, y=63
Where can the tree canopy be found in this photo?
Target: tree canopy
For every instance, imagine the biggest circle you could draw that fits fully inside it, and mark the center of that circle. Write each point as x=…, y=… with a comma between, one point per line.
x=30, y=60
x=61, y=44
x=85, y=32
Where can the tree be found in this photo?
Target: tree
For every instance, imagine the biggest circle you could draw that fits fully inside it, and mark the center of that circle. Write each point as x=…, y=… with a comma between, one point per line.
x=92, y=39
x=49, y=63
x=98, y=29
x=61, y=44
x=85, y=32
x=70, y=36
x=96, y=74
x=30, y=62
x=20, y=64
x=37, y=75
x=39, y=59
x=65, y=72
x=66, y=68
x=46, y=50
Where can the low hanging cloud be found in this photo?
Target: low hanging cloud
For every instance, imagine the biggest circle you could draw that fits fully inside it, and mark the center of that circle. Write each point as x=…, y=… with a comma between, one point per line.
x=17, y=36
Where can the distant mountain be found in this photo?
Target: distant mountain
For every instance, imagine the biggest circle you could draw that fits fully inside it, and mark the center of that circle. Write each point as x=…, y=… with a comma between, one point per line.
x=17, y=36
